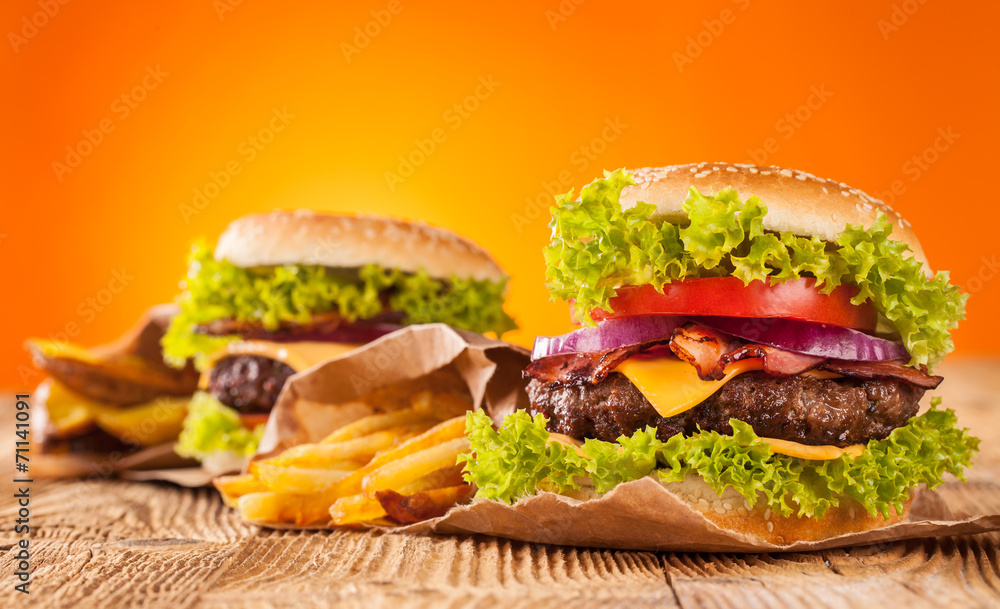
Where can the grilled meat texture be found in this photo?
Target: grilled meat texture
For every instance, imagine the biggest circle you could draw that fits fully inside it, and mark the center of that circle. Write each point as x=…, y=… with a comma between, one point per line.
x=802, y=409
x=248, y=383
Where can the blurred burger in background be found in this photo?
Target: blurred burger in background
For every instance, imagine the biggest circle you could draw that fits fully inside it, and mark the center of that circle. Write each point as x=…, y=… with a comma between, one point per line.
x=113, y=407
x=286, y=290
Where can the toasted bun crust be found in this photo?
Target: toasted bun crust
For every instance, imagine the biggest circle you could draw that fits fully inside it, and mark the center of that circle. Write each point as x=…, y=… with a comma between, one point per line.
x=731, y=511
x=796, y=201
x=349, y=241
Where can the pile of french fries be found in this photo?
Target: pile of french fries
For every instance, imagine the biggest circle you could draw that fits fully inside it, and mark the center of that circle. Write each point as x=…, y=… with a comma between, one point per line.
x=397, y=467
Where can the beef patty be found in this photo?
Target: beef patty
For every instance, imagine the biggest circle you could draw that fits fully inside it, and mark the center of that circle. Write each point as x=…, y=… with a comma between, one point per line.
x=248, y=383
x=803, y=409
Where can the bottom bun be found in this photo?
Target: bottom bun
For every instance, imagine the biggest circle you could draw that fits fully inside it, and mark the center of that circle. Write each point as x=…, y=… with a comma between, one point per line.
x=732, y=512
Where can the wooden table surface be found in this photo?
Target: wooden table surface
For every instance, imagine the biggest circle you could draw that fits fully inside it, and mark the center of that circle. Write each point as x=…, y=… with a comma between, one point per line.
x=121, y=544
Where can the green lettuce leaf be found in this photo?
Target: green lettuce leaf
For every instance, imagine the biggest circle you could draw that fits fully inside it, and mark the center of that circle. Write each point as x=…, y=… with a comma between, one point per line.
x=518, y=459
x=211, y=427
x=597, y=247
x=217, y=289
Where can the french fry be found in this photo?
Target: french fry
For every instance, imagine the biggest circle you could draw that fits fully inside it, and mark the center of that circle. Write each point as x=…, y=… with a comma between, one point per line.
x=377, y=422
x=442, y=432
x=449, y=476
x=262, y=507
x=322, y=455
x=233, y=487
x=398, y=473
x=348, y=465
x=275, y=507
x=355, y=508
x=298, y=479
x=337, y=479
x=423, y=505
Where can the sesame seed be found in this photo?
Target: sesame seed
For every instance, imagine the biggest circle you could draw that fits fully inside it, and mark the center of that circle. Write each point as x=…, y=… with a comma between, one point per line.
x=845, y=193
x=770, y=526
x=786, y=172
x=767, y=514
x=746, y=504
x=765, y=173
x=644, y=185
x=850, y=511
x=825, y=190
x=801, y=176
x=742, y=512
x=728, y=506
x=731, y=169
x=753, y=170
x=719, y=510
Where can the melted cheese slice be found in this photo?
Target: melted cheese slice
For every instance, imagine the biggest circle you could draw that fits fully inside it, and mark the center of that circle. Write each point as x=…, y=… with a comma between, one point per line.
x=814, y=453
x=297, y=355
x=673, y=386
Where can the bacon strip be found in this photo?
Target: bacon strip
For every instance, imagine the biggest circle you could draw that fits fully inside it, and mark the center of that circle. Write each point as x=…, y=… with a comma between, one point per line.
x=710, y=351
x=581, y=368
x=703, y=348
x=895, y=369
x=777, y=362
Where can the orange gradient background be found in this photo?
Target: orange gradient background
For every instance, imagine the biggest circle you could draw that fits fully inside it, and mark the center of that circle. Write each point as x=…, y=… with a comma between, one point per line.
x=687, y=82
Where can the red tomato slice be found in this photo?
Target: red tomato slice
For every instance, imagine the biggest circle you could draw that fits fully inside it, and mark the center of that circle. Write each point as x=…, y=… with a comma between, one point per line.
x=727, y=296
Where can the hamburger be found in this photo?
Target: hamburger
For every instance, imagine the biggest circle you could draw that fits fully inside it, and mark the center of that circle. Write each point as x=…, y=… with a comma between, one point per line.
x=286, y=290
x=757, y=338
x=112, y=407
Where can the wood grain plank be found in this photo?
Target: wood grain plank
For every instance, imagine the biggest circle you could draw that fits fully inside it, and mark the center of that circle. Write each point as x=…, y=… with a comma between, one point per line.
x=274, y=568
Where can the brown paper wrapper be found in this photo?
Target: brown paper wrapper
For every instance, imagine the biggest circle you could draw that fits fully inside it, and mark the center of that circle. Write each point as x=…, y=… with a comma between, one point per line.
x=319, y=400
x=639, y=515
x=643, y=515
